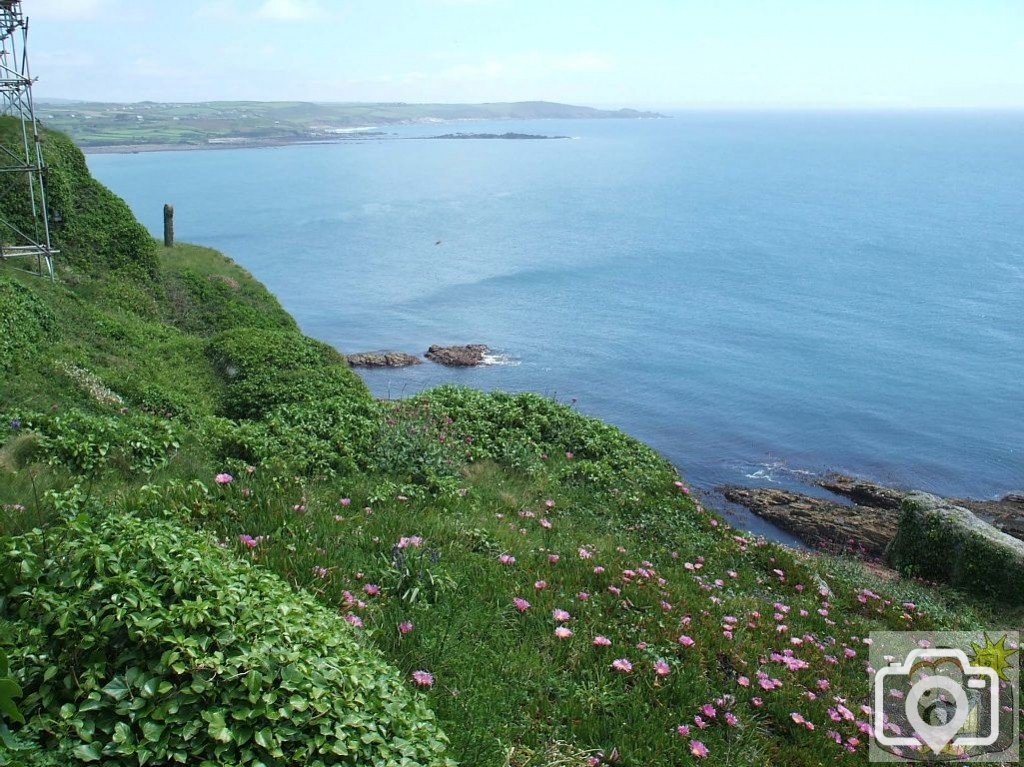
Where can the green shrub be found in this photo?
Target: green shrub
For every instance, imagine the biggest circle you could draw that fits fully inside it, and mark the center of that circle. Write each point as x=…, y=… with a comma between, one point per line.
x=25, y=323
x=518, y=430
x=205, y=304
x=941, y=542
x=90, y=444
x=178, y=652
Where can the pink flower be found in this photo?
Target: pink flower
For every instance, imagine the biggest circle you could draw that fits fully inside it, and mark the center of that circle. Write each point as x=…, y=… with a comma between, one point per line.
x=698, y=749
x=372, y=589
x=422, y=678
x=756, y=702
x=602, y=641
x=598, y=570
x=405, y=627
x=684, y=730
x=585, y=553
x=355, y=620
x=549, y=503
x=661, y=668
x=224, y=479
x=545, y=523
x=563, y=633
x=560, y=615
x=413, y=541
x=521, y=604
x=345, y=501
x=249, y=541
x=743, y=681
x=507, y=559
x=622, y=665
x=583, y=596
x=686, y=641
x=569, y=455
x=709, y=711
x=540, y=585
x=553, y=558
x=731, y=719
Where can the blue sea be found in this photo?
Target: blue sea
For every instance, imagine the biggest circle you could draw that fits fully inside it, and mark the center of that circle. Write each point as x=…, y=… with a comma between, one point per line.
x=758, y=296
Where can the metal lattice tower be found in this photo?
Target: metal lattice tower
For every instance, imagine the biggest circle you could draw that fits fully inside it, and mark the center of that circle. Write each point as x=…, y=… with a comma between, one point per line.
x=21, y=167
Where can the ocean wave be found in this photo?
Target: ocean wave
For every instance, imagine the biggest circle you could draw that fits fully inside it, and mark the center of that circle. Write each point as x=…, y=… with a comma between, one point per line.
x=769, y=471
x=498, y=358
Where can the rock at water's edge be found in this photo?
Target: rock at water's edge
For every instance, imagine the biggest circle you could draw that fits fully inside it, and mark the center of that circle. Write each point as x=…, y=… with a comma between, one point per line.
x=817, y=521
x=457, y=356
x=383, y=359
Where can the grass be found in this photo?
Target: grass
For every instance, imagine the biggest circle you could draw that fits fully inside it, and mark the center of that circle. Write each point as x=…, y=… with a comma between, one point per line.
x=422, y=522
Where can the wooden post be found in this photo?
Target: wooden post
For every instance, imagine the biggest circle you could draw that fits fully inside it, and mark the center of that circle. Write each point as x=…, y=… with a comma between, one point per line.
x=168, y=226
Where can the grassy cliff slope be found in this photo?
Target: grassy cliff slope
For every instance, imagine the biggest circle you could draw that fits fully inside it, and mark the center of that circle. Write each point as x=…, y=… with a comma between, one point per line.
x=212, y=535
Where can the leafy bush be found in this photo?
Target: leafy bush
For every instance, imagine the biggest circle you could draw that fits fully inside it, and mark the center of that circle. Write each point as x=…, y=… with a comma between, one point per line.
x=519, y=429
x=209, y=303
x=90, y=444
x=268, y=368
x=25, y=322
x=180, y=652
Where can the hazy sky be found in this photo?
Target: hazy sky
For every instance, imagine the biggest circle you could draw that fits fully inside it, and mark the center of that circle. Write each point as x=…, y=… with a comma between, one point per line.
x=659, y=53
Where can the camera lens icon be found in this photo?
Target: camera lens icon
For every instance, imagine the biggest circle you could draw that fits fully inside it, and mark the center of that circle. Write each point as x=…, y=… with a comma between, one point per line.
x=938, y=705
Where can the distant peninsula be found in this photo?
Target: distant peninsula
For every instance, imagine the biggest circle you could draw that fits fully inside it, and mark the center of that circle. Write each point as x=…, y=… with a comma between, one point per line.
x=510, y=135
x=153, y=126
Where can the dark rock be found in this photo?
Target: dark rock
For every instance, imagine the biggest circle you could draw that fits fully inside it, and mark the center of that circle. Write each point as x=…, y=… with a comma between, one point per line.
x=817, y=521
x=457, y=356
x=863, y=493
x=383, y=359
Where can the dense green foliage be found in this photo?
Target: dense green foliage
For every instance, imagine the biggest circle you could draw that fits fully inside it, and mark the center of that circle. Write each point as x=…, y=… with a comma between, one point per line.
x=178, y=651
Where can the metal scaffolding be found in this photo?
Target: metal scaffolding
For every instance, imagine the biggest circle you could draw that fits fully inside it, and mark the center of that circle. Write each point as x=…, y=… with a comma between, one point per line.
x=24, y=234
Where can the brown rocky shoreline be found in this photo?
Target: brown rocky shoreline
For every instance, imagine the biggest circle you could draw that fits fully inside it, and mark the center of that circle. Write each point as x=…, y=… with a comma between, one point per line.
x=861, y=515
x=468, y=355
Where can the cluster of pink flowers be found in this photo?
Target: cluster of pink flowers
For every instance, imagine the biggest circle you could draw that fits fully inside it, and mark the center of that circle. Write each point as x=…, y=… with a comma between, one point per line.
x=224, y=479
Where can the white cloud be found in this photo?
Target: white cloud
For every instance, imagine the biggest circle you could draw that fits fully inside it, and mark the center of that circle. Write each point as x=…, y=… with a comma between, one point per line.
x=290, y=10
x=268, y=10
x=64, y=10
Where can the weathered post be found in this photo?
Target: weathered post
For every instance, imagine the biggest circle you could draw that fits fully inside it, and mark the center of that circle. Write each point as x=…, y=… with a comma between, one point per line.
x=168, y=226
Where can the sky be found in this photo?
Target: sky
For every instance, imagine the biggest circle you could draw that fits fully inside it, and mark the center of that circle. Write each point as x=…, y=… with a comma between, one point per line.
x=761, y=54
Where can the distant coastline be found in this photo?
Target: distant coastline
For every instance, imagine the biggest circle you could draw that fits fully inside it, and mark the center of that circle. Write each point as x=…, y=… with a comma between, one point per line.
x=157, y=127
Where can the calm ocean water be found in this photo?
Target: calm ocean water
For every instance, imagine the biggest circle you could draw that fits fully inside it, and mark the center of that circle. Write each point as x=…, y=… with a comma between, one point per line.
x=754, y=295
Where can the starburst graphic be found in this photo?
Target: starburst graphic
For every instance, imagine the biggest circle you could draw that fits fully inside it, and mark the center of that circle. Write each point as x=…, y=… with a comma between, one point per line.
x=994, y=655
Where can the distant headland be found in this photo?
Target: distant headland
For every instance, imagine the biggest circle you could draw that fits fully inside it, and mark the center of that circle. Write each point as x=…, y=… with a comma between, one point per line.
x=153, y=126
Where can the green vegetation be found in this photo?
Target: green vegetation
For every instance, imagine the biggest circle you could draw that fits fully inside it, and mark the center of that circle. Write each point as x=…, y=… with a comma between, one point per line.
x=197, y=124
x=218, y=549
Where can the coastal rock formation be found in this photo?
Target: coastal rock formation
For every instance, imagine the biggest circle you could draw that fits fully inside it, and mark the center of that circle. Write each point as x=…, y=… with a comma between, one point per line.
x=383, y=359
x=871, y=522
x=939, y=540
x=817, y=521
x=457, y=356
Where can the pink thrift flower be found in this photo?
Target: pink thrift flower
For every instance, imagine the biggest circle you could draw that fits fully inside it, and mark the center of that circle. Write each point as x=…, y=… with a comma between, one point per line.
x=507, y=559
x=521, y=604
x=698, y=749
x=661, y=668
x=583, y=596
x=563, y=633
x=731, y=719
x=549, y=503
x=545, y=523
x=553, y=558
x=345, y=501
x=224, y=479
x=684, y=730
x=249, y=541
x=743, y=681
x=422, y=678
x=560, y=615
x=569, y=455
x=372, y=589
x=405, y=627
x=709, y=711
x=686, y=641
x=622, y=665
x=756, y=702
x=540, y=585
x=584, y=553
x=602, y=641
x=355, y=620
x=598, y=570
